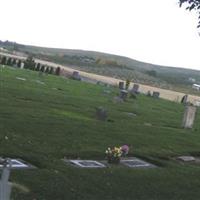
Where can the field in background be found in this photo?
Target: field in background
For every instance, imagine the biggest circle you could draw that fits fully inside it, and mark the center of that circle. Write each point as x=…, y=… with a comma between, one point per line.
x=165, y=94
x=115, y=66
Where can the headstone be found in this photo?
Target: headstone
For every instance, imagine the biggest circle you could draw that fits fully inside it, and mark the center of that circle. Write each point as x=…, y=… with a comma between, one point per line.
x=136, y=163
x=5, y=185
x=22, y=65
x=186, y=158
x=76, y=76
x=149, y=93
x=21, y=79
x=184, y=99
x=189, y=116
x=101, y=113
x=131, y=114
x=40, y=82
x=87, y=163
x=18, y=164
x=135, y=89
x=123, y=94
x=121, y=85
x=156, y=95
x=117, y=100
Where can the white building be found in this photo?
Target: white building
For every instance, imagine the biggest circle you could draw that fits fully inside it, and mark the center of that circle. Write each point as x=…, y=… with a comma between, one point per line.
x=196, y=87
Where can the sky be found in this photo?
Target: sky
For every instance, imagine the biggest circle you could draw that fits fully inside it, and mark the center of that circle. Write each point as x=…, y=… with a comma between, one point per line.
x=155, y=31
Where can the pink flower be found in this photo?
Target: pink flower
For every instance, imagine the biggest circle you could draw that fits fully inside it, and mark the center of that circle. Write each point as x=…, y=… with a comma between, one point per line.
x=125, y=149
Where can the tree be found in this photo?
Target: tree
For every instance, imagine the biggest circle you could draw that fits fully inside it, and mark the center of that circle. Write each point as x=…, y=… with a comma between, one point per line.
x=9, y=61
x=127, y=84
x=42, y=69
x=51, y=71
x=37, y=67
x=192, y=5
x=29, y=63
x=57, y=71
x=19, y=63
x=3, y=61
x=14, y=62
x=47, y=70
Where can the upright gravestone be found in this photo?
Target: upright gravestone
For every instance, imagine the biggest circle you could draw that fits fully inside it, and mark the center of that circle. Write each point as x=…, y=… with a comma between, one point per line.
x=135, y=89
x=101, y=114
x=121, y=85
x=149, y=93
x=5, y=185
x=156, y=95
x=189, y=116
x=76, y=76
x=184, y=99
x=22, y=65
x=123, y=94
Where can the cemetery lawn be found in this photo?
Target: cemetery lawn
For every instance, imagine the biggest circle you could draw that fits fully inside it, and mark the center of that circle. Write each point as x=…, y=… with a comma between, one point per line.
x=43, y=123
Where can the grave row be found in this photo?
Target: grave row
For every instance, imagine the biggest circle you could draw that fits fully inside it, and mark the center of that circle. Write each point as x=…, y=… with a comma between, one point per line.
x=131, y=162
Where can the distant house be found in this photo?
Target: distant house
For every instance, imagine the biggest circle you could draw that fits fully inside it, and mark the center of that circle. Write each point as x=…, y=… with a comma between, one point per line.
x=193, y=80
x=196, y=87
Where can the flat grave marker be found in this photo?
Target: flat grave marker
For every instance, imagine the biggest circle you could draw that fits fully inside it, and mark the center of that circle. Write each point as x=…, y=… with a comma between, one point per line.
x=136, y=163
x=40, y=82
x=19, y=164
x=85, y=163
x=20, y=78
x=186, y=158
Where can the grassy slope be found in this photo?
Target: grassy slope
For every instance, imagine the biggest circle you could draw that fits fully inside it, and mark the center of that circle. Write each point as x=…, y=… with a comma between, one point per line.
x=43, y=125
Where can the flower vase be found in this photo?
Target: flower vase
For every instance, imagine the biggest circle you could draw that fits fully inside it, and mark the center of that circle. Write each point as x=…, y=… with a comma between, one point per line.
x=114, y=160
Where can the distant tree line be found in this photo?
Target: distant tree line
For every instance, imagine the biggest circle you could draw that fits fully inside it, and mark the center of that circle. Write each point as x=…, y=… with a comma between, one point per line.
x=30, y=64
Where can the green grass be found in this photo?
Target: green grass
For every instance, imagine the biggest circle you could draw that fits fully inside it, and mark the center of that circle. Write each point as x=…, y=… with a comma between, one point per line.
x=43, y=125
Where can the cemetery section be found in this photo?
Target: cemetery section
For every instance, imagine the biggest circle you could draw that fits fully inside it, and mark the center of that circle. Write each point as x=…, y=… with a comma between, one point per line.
x=42, y=123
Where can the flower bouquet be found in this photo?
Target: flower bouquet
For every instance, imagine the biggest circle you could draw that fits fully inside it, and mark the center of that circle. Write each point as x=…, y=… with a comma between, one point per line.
x=114, y=155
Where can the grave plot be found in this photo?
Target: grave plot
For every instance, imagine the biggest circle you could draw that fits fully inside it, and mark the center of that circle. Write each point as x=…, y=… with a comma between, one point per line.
x=39, y=82
x=136, y=163
x=85, y=163
x=186, y=158
x=19, y=164
x=21, y=78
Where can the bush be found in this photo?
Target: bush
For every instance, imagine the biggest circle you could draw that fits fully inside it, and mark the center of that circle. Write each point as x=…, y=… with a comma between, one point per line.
x=19, y=63
x=29, y=63
x=57, y=71
x=3, y=61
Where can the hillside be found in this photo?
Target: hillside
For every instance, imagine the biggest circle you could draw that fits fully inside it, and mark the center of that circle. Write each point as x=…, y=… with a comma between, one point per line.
x=178, y=79
x=46, y=118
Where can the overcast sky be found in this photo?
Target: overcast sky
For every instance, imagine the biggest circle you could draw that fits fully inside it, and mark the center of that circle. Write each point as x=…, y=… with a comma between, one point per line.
x=155, y=31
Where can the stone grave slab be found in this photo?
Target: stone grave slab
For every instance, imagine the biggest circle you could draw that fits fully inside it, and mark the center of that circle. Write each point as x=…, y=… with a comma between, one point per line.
x=131, y=114
x=20, y=78
x=19, y=164
x=186, y=158
x=87, y=163
x=39, y=82
x=136, y=163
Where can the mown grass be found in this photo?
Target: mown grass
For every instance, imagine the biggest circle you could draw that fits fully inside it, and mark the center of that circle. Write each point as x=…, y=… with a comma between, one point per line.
x=42, y=123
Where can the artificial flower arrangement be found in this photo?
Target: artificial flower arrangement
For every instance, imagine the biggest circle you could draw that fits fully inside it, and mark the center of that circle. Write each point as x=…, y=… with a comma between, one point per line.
x=114, y=154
